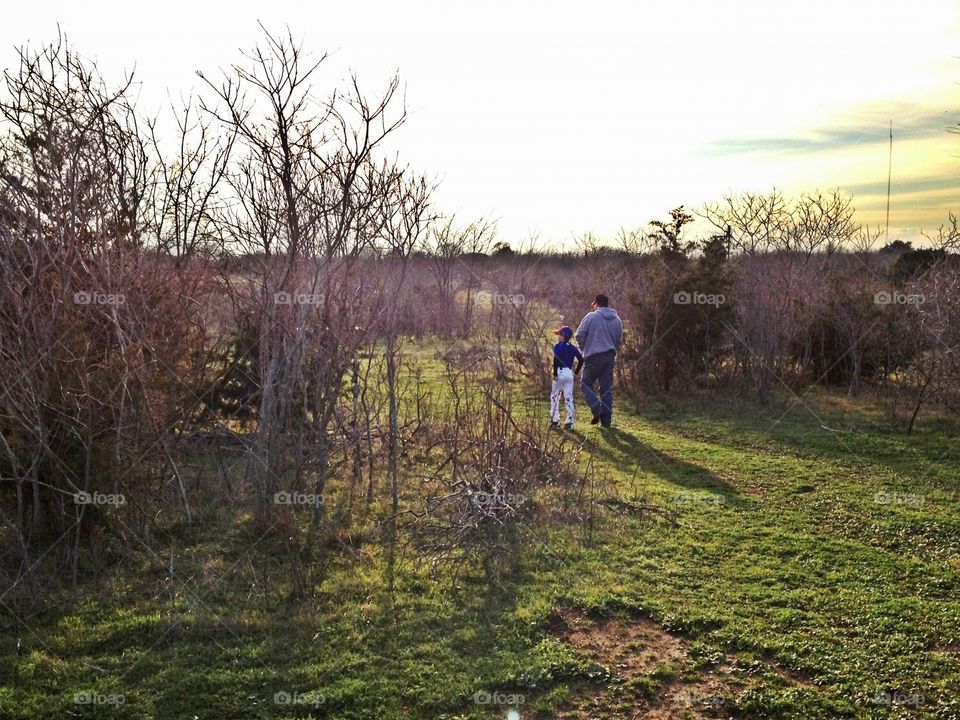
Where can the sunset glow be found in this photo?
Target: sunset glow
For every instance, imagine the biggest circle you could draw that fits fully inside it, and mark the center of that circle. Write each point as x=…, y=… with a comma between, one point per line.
x=561, y=118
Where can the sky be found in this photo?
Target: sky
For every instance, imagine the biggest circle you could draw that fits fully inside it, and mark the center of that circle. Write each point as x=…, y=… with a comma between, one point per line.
x=560, y=118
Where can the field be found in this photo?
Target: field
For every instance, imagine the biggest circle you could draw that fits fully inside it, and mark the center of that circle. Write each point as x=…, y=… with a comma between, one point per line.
x=797, y=559
x=274, y=429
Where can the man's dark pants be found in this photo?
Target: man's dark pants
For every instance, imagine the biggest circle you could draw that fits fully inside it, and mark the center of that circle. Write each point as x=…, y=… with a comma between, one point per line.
x=599, y=369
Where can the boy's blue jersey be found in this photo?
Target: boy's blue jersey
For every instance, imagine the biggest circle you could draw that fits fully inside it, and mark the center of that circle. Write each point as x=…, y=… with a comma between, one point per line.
x=564, y=353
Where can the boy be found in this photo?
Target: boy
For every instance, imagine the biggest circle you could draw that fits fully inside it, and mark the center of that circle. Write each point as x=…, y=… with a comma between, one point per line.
x=564, y=353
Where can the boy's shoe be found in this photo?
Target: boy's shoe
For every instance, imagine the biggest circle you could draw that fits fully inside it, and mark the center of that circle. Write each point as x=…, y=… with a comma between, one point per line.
x=568, y=426
x=554, y=423
x=595, y=419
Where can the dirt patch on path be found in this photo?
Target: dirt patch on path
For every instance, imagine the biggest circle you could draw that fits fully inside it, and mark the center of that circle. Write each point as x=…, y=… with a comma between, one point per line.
x=654, y=677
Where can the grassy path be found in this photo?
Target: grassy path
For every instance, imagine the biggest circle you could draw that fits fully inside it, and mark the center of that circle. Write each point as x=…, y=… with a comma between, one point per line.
x=831, y=559
x=813, y=573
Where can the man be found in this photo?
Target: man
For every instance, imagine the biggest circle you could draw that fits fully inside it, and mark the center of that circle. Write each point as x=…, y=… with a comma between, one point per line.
x=600, y=335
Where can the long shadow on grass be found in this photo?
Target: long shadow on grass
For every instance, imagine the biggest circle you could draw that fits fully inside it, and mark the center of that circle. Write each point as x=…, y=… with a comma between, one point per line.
x=853, y=436
x=626, y=452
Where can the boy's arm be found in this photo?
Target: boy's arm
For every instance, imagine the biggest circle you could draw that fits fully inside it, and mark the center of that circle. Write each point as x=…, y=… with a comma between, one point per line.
x=556, y=366
x=579, y=357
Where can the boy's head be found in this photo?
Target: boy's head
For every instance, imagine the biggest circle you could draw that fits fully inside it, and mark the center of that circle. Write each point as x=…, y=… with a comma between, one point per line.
x=564, y=333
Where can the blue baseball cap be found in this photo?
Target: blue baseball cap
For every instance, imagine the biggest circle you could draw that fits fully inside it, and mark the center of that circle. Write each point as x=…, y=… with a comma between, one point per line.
x=566, y=331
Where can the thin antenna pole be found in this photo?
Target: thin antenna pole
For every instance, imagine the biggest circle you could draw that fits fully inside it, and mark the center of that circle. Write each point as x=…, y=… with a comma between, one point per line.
x=889, y=175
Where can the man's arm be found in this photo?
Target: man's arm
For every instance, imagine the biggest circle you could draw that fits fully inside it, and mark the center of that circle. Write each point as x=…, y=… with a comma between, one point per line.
x=618, y=340
x=583, y=330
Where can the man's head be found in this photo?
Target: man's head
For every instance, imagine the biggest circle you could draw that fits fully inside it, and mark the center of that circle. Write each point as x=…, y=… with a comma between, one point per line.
x=601, y=300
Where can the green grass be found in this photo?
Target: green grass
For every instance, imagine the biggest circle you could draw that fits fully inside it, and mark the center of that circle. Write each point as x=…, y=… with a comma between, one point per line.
x=783, y=565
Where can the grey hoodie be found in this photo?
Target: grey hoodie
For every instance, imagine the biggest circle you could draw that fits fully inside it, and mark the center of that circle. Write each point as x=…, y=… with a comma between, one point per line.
x=600, y=331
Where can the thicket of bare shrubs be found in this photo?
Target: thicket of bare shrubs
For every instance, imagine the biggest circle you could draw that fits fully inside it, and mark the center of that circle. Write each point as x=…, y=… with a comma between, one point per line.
x=813, y=306
x=220, y=324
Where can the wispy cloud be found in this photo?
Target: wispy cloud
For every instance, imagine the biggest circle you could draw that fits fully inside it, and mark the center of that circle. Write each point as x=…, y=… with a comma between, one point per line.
x=916, y=203
x=907, y=124
x=908, y=186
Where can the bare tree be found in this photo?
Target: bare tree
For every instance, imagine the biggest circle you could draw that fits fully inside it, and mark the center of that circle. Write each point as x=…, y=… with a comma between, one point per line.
x=448, y=245
x=188, y=198
x=821, y=222
x=314, y=203
x=756, y=222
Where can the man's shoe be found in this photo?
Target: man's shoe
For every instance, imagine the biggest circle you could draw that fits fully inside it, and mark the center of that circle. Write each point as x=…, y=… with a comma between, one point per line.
x=595, y=419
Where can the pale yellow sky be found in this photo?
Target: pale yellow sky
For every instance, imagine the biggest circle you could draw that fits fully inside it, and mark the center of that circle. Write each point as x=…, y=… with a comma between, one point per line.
x=563, y=117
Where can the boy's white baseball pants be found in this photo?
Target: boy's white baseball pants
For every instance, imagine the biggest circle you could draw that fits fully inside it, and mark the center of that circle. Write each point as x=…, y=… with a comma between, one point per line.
x=562, y=384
